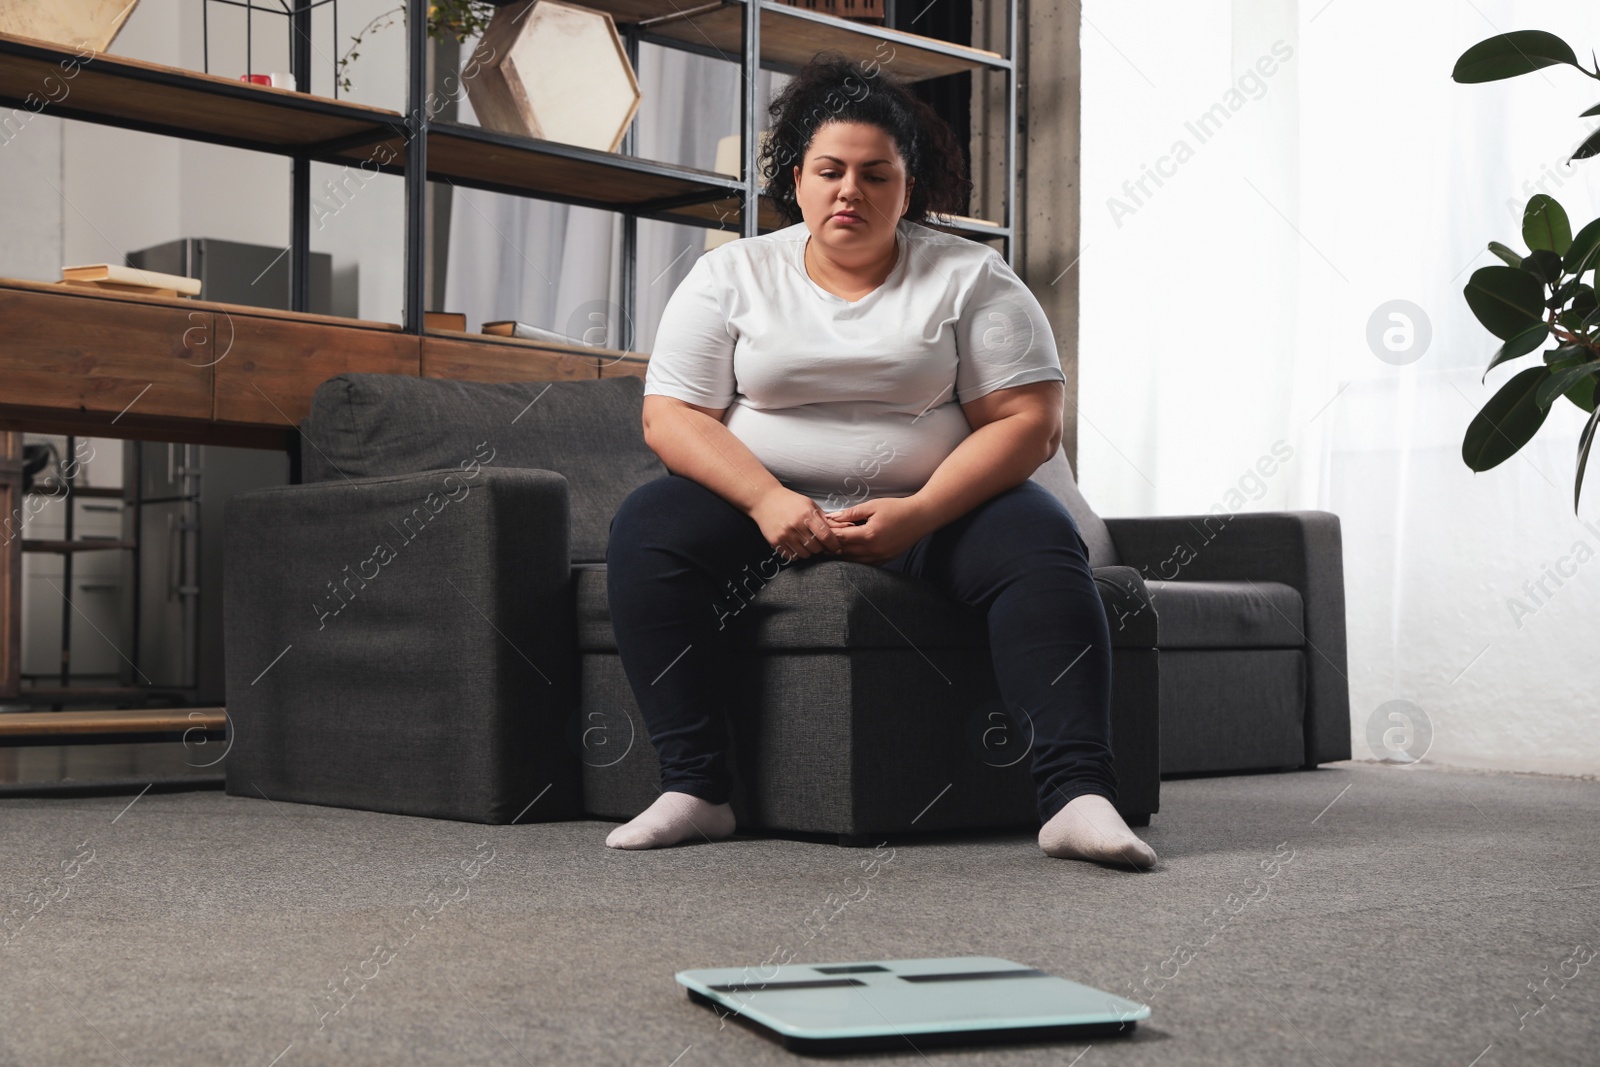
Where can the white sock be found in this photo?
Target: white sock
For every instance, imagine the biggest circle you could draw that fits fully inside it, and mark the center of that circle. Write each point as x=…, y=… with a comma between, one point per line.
x=1089, y=828
x=672, y=818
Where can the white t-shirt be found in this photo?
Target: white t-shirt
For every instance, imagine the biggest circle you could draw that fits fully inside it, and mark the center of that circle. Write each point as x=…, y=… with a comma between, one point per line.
x=848, y=401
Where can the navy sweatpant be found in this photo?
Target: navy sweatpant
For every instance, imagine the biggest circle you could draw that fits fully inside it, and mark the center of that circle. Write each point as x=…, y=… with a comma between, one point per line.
x=1016, y=559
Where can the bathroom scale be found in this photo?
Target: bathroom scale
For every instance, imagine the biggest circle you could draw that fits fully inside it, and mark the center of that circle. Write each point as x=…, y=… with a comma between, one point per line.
x=886, y=1004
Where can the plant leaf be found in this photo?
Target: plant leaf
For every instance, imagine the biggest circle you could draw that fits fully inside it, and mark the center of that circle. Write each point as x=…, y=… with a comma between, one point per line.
x=1566, y=356
x=1583, y=301
x=1559, y=298
x=1584, y=251
x=1591, y=113
x=1585, y=440
x=1583, y=394
x=1506, y=300
x=1545, y=225
x=1511, y=258
x=1510, y=54
x=1591, y=147
x=1562, y=380
x=1506, y=423
x=1543, y=264
x=1519, y=345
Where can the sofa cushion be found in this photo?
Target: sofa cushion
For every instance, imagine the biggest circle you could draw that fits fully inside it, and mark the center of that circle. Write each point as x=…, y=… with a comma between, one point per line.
x=1056, y=476
x=589, y=430
x=1232, y=710
x=1227, y=614
x=841, y=604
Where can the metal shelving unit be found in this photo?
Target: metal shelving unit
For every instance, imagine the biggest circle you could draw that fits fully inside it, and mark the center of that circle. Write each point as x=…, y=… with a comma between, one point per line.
x=67, y=547
x=132, y=94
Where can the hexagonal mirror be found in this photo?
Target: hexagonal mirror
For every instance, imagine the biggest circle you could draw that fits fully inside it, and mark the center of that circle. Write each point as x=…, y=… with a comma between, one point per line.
x=553, y=71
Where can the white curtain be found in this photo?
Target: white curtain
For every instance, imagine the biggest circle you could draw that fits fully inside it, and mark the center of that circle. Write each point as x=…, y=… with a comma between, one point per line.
x=1262, y=183
x=552, y=265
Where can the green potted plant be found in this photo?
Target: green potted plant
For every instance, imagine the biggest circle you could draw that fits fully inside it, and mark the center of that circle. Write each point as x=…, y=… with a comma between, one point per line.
x=1546, y=296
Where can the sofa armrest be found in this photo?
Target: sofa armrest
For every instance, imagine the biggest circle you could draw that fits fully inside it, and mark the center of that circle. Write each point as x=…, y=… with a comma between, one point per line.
x=1302, y=549
x=404, y=643
x=1130, y=614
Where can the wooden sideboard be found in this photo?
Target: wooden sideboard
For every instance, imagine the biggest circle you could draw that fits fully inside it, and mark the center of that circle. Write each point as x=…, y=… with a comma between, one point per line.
x=81, y=361
x=90, y=363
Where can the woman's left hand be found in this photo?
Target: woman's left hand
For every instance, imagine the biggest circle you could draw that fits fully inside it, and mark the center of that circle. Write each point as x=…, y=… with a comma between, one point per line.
x=888, y=526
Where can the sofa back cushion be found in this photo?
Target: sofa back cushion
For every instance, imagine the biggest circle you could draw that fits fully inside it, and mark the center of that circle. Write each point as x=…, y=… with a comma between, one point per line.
x=1056, y=476
x=588, y=430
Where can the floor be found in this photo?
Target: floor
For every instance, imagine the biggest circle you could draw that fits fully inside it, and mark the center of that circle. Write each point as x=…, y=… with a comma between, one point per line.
x=1357, y=914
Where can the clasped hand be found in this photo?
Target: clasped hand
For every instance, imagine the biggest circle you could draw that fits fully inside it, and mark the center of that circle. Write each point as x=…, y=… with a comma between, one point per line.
x=871, y=532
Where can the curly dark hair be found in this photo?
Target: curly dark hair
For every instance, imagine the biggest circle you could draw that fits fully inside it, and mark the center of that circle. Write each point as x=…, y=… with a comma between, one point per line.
x=834, y=88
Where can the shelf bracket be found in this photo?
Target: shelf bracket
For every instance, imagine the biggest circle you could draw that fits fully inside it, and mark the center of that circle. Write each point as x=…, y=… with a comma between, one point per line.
x=417, y=121
x=749, y=118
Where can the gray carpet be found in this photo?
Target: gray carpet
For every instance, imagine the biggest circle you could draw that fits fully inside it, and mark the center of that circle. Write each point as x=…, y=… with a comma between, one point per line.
x=1409, y=922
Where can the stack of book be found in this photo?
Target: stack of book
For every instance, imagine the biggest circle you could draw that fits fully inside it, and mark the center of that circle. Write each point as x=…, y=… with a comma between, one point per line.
x=117, y=278
x=861, y=10
x=445, y=320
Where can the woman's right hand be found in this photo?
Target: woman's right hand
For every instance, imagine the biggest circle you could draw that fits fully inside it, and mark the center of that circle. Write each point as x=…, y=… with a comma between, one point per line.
x=793, y=524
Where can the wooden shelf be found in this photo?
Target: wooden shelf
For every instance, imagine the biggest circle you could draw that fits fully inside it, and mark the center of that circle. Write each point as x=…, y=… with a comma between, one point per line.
x=115, y=365
x=115, y=90
x=791, y=36
x=129, y=93
x=29, y=545
x=105, y=727
x=83, y=491
x=482, y=357
x=174, y=102
x=189, y=303
x=476, y=158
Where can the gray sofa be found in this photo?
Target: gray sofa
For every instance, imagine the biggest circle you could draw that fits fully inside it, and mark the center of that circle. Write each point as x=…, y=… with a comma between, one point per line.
x=422, y=628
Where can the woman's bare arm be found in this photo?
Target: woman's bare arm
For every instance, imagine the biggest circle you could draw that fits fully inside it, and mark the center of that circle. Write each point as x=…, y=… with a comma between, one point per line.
x=693, y=442
x=1014, y=431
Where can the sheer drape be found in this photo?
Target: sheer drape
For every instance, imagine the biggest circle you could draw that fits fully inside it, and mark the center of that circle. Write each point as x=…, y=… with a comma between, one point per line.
x=554, y=266
x=1246, y=295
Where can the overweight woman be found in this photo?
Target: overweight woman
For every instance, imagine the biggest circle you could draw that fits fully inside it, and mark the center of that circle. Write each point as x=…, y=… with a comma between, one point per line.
x=858, y=386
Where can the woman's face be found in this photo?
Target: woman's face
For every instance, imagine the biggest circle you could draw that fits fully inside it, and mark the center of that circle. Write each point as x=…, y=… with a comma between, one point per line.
x=854, y=168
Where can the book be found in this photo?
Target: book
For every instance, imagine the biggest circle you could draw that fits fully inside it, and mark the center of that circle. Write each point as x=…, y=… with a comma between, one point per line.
x=512, y=328
x=115, y=272
x=444, y=320
x=118, y=287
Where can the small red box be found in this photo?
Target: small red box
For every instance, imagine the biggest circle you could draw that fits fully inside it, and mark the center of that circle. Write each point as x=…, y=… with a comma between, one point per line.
x=256, y=79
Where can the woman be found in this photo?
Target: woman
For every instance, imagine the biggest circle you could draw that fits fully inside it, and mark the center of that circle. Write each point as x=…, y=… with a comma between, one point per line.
x=857, y=357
